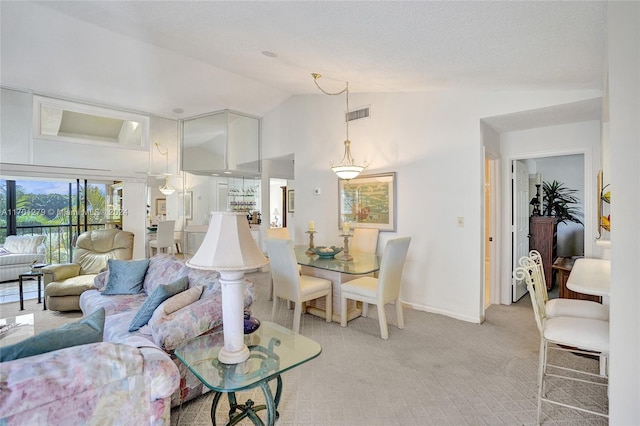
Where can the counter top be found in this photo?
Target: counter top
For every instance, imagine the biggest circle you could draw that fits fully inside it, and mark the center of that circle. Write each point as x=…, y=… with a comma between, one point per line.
x=203, y=228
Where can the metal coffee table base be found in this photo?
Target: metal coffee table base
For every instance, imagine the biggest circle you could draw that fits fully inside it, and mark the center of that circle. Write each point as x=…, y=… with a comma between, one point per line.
x=248, y=409
x=33, y=274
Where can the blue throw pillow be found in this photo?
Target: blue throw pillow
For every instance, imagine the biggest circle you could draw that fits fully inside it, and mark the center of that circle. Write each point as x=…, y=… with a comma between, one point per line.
x=87, y=330
x=125, y=276
x=159, y=295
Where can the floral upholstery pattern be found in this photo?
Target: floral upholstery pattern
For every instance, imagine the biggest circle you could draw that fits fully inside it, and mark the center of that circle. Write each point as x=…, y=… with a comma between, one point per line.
x=131, y=377
x=93, y=300
x=83, y=385
x=163, y=333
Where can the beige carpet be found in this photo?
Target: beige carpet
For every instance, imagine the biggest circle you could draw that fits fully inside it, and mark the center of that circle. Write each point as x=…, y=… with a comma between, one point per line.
x=437, y=371
x=43, y=320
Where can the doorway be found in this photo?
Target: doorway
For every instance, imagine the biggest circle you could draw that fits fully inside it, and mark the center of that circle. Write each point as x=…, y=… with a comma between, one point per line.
x=277, y=200
x=570, y=171
x=491, y=275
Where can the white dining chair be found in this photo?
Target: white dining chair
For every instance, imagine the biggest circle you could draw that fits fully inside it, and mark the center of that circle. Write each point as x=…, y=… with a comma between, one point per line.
x=364, y=240
x=283, y=234
x=288, y=284
x=165, y=238
x=561, y=306
x=381, y=290
x=585, y=336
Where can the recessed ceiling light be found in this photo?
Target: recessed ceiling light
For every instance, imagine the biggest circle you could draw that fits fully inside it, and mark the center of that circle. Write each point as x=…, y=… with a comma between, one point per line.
x=227, y=173
x=178, y=110
x=269, y=54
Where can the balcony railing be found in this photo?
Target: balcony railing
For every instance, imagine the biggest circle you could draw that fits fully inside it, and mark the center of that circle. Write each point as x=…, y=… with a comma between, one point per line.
x=58, y=238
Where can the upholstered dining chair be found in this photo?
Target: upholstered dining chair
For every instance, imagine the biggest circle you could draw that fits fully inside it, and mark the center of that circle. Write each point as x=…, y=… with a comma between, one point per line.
x=165, y=237
x=283, y=234
x=562, y=333
x=288, y=284
x=365, y=240
x=381, y=290
x=561, y=306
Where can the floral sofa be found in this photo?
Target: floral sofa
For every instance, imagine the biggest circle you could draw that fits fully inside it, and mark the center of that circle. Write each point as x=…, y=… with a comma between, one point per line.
x=18, y=253
x=131, y=375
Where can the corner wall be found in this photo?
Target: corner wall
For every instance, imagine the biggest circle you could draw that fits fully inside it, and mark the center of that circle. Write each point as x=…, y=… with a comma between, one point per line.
x=433, y=142
x=624, y=139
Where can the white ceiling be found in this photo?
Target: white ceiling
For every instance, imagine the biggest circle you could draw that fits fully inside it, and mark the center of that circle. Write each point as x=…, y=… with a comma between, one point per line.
x=386, y=46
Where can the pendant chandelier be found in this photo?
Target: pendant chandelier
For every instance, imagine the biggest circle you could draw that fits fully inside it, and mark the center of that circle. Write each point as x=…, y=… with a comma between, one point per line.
x=166, y=189
x=347, y=168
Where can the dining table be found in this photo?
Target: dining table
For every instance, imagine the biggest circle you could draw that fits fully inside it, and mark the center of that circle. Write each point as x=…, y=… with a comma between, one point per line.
x=591, y=276
x=338, y=272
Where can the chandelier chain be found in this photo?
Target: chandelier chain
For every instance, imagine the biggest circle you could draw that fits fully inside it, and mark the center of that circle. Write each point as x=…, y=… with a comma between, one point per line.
x=346, y=89
x=347, y=168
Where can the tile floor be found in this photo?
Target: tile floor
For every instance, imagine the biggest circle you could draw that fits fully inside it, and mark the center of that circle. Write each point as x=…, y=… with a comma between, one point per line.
x=9, y=290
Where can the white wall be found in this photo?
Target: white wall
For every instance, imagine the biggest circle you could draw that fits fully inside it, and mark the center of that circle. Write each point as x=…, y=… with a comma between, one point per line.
x=21, y=155
x=624, y=139
x=575, y=138
x=433, y=141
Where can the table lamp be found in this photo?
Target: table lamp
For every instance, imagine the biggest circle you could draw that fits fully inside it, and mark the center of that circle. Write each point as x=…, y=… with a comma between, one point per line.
x=229, y=248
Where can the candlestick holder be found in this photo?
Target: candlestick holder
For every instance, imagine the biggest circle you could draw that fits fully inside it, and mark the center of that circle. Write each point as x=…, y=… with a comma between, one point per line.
x=311, y=245
x=345, y=253
x=535, y=202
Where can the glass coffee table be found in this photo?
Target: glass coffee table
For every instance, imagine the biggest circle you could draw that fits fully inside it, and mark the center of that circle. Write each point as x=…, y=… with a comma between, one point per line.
x=274, y=350
x=15, y=329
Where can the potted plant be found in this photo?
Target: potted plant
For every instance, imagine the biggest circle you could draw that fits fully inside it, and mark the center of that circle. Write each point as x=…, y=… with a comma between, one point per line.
x=559, y=201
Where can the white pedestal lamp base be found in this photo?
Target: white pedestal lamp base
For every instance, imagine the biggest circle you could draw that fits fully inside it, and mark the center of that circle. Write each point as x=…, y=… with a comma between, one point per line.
x=234, y=351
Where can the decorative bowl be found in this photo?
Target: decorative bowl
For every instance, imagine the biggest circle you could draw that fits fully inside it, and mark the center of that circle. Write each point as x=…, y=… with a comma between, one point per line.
x=326, y=252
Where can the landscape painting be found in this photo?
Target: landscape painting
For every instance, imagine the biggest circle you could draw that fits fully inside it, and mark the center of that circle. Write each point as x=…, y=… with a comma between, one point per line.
x=368, y=201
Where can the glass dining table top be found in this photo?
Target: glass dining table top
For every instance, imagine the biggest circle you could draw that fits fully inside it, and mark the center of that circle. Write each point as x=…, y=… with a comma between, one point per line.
x=274, y=350
x=362, y=263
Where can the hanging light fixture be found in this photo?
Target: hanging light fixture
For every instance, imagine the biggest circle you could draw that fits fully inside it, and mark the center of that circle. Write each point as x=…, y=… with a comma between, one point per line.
x=166, y=189
x=347, y=168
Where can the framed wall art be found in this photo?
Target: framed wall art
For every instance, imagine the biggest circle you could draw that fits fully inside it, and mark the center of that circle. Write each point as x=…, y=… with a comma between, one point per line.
x=161, y=206
x=291, y=201
x=368, y=201
x=188, y=205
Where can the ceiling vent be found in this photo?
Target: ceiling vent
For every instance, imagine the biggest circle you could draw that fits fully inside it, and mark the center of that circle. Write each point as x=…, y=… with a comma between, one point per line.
x=357, y=114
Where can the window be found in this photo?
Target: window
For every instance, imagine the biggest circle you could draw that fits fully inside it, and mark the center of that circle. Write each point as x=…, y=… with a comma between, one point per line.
x=59, y=120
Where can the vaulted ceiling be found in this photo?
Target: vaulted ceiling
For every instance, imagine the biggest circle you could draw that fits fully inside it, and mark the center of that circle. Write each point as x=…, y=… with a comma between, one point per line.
x=200, y=56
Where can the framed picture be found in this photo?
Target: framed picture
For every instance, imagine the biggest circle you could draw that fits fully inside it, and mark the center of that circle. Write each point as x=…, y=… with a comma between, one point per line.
x=161, y=206
x=368, y=201
x=188, y=205
x=291, y=201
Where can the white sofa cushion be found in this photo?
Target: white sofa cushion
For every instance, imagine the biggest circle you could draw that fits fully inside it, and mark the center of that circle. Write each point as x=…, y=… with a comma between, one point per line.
x=20, y=259
x=23, y=243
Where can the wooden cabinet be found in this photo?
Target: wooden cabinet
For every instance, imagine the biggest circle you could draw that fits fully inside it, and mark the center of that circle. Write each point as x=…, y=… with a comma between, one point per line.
x=543, y=232
x=562, y=266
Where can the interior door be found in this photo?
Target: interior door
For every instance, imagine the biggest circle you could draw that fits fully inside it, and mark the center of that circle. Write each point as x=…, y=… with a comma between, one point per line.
x=520, y=224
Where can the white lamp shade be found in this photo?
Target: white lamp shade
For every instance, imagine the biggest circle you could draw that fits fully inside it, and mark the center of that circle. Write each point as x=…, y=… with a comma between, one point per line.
x=228, y=245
